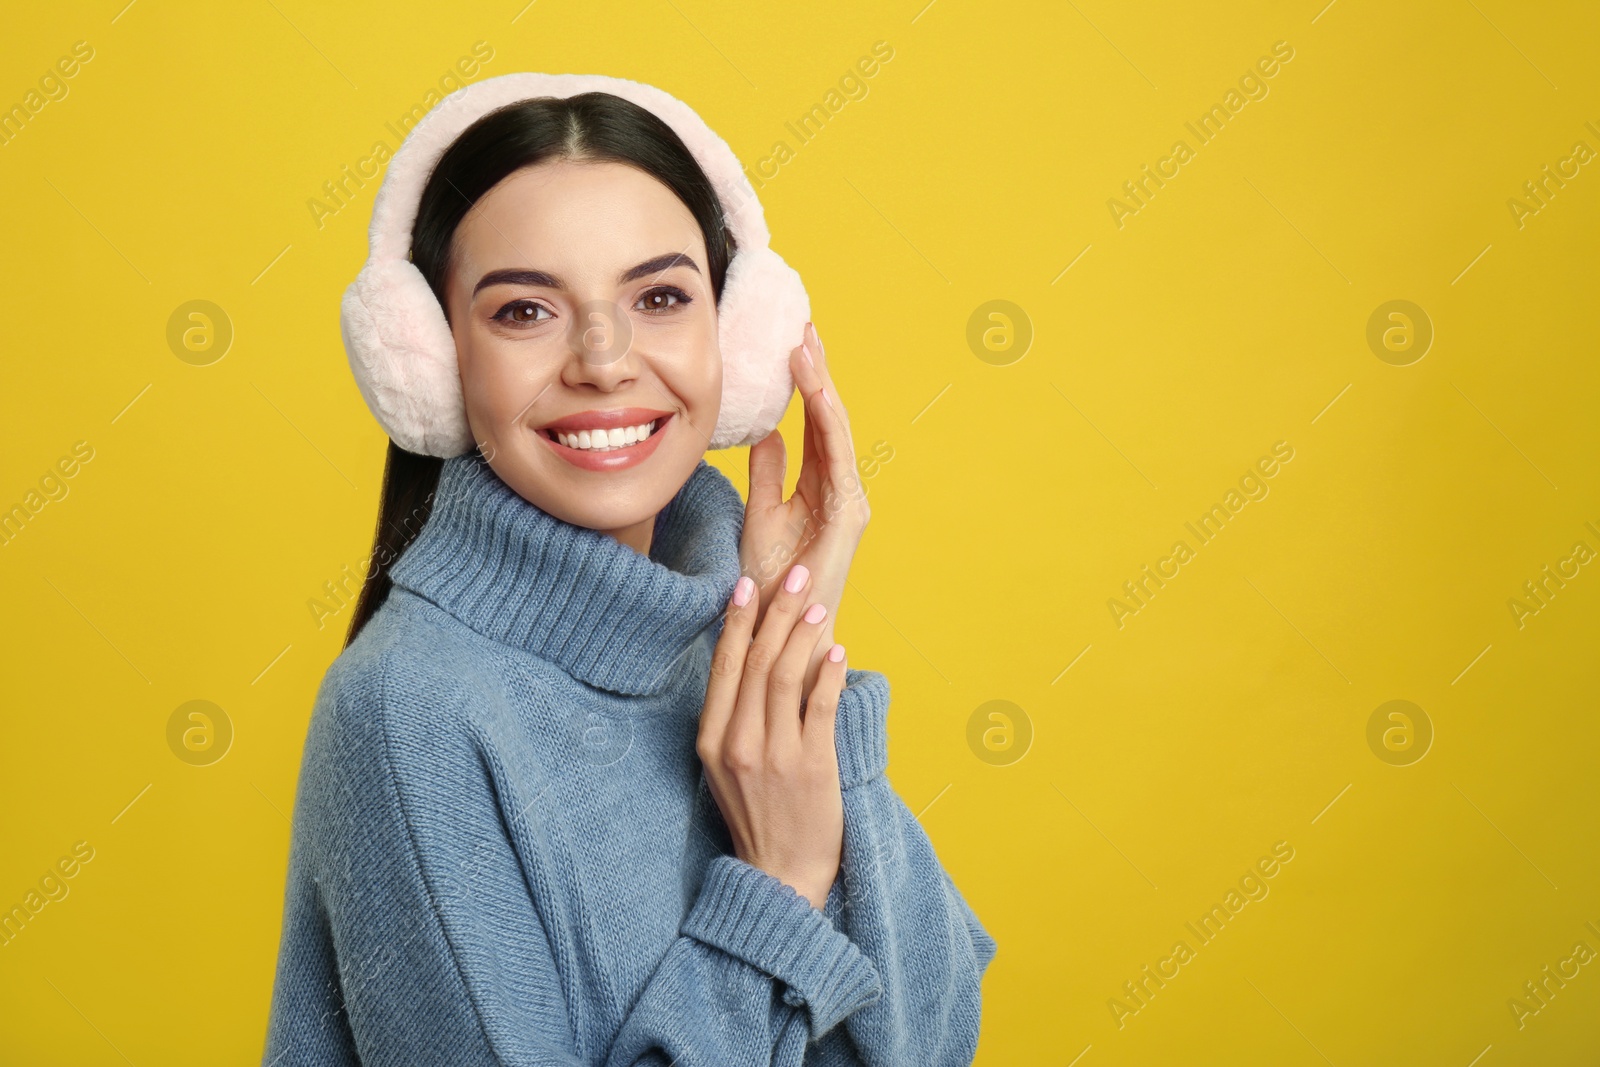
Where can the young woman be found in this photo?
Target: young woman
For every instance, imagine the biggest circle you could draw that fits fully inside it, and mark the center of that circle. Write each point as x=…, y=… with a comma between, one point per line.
x=576, y=791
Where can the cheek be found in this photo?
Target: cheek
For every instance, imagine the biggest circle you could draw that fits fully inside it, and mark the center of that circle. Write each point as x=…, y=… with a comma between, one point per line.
x=701, y=385
x=498, y=381
x=688, y=365
x=713, y=379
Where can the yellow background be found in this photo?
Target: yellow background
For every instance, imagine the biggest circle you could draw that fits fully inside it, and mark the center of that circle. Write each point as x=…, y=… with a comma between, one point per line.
x=1229, y=314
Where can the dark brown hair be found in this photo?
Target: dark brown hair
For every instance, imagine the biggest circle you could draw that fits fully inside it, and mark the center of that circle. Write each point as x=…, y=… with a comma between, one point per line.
x=588, y=127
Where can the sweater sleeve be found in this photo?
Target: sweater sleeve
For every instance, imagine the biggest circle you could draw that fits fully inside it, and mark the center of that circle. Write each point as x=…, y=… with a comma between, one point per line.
x=756, y=975
x=900, y=906
x=411, y=934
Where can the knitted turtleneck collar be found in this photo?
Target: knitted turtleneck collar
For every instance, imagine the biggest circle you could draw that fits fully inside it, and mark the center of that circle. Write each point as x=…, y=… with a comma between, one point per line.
x=573, y=596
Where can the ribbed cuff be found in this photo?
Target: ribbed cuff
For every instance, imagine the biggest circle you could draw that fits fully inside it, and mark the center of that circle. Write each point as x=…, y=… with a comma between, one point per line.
x=755, y=917
x=861, y=731
x=833, y=907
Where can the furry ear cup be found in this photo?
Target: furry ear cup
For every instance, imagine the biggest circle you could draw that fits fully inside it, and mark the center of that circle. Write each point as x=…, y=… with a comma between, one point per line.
x=401, y=350
x=762, y=300
x=404, y=358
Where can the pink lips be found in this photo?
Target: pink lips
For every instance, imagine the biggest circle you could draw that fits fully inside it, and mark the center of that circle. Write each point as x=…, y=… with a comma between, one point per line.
x=608, y=419
x=614, y=459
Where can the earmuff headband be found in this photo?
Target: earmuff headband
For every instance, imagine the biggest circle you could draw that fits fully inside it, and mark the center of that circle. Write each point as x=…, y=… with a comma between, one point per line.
x=400, y=347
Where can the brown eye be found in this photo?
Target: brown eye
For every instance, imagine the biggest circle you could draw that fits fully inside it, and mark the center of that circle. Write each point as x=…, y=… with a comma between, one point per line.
x=663, y=298
x=522, y=313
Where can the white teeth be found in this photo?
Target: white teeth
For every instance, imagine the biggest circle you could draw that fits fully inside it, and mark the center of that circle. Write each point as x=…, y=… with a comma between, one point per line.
x=606, y=440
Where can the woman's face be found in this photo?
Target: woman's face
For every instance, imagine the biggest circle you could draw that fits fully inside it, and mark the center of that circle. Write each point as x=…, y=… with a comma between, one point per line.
x=583, y=315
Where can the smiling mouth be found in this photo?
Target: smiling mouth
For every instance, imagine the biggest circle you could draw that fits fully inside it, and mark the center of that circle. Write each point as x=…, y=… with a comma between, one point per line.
x=605, y=440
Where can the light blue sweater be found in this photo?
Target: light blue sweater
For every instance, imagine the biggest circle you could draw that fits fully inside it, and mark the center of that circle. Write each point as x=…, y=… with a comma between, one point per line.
x=504, y=850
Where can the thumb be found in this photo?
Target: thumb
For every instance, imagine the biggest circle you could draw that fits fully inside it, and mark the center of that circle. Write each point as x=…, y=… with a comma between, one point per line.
x=768, y=463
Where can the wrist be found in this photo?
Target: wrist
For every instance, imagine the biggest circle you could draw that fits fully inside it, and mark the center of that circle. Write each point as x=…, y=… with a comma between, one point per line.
x=811, y=887
x=815, y=896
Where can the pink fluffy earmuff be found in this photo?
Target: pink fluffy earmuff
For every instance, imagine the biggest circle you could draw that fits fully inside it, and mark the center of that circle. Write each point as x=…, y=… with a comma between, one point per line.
x=400, y=347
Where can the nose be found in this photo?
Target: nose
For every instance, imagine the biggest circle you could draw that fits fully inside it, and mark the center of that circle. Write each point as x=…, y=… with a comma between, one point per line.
x=599, y=346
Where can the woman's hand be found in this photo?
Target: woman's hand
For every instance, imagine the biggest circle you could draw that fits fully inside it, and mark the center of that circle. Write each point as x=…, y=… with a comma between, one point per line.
x=822, y=523
x=774, y=776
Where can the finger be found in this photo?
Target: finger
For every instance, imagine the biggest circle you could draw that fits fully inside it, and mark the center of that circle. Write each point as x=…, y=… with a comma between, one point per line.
x=812, y=326
x=803, y=368
x=838, y=451
x=828, y=444
x=727, y=663
x=811, y=373
x=822, y=707
x=785, y=687
x=819, y=356
x=768, y=463
x=763, y=653
x=807, y=381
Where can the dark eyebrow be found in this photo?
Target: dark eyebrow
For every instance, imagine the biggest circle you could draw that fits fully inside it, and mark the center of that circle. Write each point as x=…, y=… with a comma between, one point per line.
x=658, y=265
x=517, y=276
x=524, y=276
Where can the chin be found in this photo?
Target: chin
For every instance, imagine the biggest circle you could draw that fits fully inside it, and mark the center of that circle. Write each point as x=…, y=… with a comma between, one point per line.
x=597, y=499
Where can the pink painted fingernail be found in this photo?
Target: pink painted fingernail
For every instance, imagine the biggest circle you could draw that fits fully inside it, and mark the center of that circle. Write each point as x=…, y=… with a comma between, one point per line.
x=742, y=590
x=836, y=653
x=805, y=350
x=797, y=578
x=815, y=613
